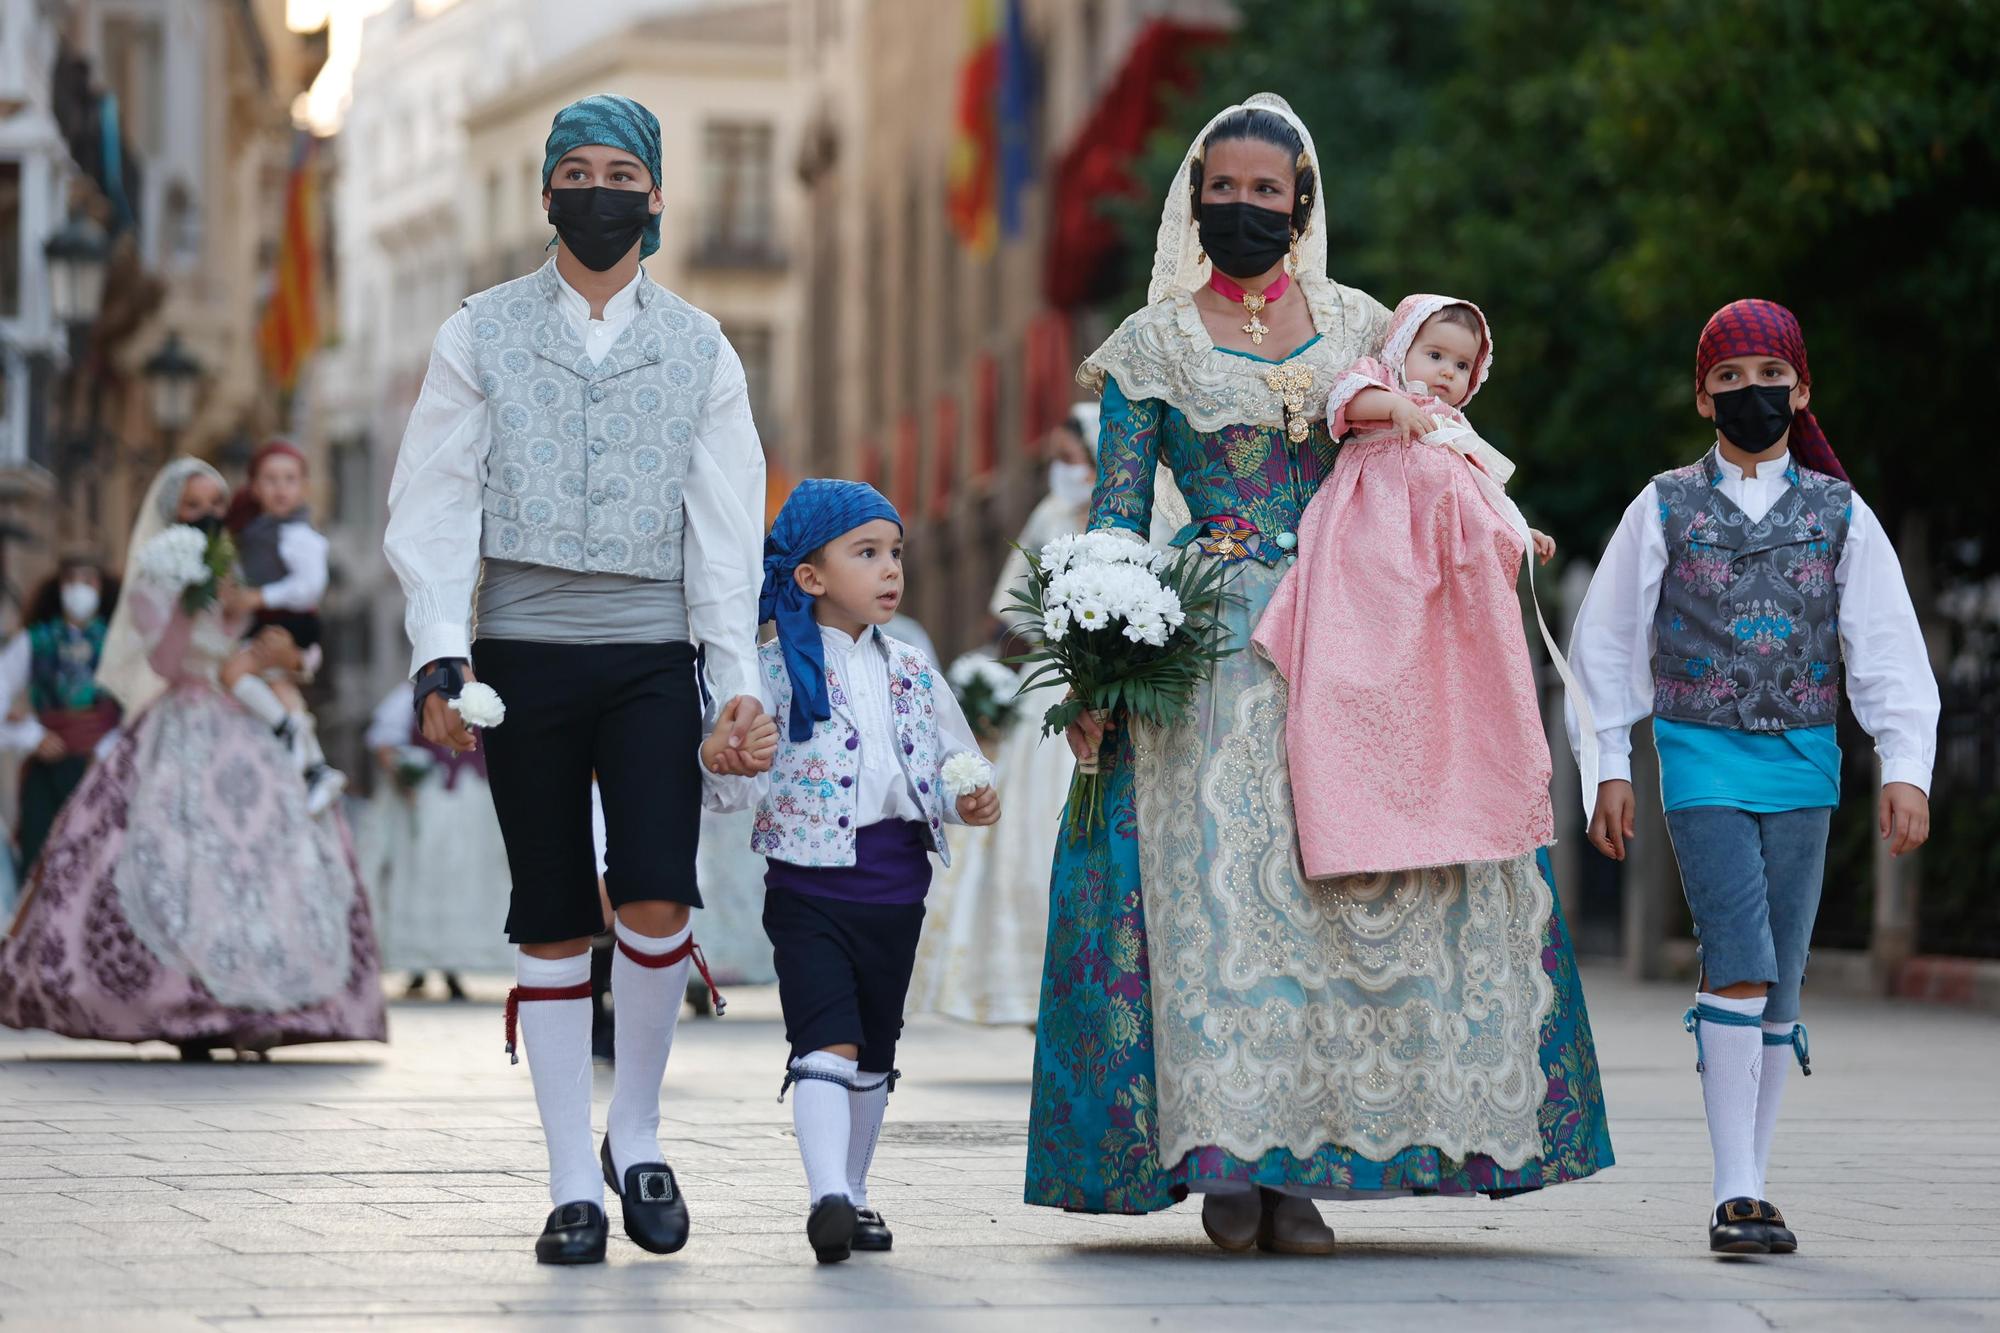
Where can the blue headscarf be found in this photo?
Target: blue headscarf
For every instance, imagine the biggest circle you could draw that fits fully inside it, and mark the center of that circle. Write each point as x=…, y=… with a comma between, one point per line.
x=819, y=511
x=615, y=122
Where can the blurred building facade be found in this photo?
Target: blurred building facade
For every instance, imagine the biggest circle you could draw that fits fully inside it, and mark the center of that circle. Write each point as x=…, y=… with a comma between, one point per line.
x=939, y=365
x=153, y=137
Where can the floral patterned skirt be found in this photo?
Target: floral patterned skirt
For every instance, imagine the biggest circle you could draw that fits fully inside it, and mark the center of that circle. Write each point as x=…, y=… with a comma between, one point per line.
x=185, y=895
x=1266, y=1029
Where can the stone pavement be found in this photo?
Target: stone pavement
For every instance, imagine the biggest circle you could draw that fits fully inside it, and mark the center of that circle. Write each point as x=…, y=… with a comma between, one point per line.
x=345, y=1187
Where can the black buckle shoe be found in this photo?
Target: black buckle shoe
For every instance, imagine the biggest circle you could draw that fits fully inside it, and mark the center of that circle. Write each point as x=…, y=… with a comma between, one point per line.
x=830, y=1228
x=574, y=1234
x=656, y=1217
x=1782, y=1239
x=1740, y=1227
x=870, y=1231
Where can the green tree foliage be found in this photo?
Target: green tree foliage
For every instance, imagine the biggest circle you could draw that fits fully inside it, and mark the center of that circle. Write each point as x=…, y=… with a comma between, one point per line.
x=1600, y=177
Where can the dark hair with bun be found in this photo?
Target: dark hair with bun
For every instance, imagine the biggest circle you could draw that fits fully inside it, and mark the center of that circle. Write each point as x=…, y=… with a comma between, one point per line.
x=1261, y=126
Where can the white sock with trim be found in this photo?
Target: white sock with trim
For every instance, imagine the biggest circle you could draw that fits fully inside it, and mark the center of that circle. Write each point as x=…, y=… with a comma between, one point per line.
x=647, y=1001
x=1777, y=1068
x=1732, y=1061
x=864, y=1112
x=557, y=1036
x=821, y=1120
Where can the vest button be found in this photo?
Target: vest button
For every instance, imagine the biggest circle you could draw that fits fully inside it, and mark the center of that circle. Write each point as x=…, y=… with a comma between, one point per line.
x=596, y=394
x=597, y=497
x=847, y=782
x=597, y=448
x=843, y=821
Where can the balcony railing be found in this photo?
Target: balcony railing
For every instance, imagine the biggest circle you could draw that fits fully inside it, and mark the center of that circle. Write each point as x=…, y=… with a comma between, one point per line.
x=740, y=254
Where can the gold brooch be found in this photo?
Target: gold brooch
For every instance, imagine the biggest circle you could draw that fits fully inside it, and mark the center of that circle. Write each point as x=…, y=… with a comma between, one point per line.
x=1291, y=383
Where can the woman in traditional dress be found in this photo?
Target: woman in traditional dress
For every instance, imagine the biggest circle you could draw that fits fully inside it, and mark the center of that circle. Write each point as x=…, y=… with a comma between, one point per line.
x=441, y=889
x=1211, y=1020
x=54, y=661
x=184, y=894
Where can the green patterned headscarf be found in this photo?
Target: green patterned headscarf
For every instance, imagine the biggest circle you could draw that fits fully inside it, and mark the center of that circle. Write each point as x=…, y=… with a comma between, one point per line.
x=615, y=122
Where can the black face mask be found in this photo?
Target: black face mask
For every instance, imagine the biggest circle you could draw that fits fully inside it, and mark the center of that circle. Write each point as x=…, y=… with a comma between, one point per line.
x=1754, y=417
x=209, y=524
x=1244, y=240
x=599, y=225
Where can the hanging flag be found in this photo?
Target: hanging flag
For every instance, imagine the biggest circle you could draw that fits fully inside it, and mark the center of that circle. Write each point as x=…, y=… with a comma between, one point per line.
x=1016, y=112
x=974, y=171
x=290, y=331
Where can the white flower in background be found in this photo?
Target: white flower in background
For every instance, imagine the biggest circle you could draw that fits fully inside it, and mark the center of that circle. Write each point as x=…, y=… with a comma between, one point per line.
x=479, y=704
x=965, y=773
x=174, y=559
x=996, y=676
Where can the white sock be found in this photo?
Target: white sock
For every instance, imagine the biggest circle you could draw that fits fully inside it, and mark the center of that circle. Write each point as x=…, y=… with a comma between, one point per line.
x=255, y=693
x=1776, y=1069
x=820, y=1118
x=864, y=1126
x=557, y=1035
x=1732, y=1058
x=648, y=1003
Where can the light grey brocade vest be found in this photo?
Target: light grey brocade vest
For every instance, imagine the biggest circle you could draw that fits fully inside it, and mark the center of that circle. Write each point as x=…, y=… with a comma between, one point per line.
x=1747, y=632
x=587, y=460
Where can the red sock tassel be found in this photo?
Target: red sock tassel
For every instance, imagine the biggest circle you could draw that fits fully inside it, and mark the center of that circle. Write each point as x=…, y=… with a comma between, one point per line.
x=580, y=991
x=685, y=949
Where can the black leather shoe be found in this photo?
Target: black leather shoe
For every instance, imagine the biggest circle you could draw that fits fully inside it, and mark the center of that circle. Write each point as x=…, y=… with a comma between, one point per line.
x=830, y=1228
x=574, y=1234
x=1740, y=1227
x=870, y=1231
x=656, y=1217
x=1782, y=1239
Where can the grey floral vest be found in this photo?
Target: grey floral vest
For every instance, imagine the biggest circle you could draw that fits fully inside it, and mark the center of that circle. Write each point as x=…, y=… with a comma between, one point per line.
x=587, y=459
x=1747, y=632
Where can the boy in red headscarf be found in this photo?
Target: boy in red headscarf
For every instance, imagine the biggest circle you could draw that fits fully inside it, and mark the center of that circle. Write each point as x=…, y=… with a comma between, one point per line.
x=282, y=570
x=1735, y=595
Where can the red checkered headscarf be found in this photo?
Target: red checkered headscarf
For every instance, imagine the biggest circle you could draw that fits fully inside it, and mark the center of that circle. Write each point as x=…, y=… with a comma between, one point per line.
x=1765, y=328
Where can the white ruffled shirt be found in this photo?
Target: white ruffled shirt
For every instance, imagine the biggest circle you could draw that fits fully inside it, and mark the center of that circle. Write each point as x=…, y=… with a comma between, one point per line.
x=435, y=501
x=1888, y=669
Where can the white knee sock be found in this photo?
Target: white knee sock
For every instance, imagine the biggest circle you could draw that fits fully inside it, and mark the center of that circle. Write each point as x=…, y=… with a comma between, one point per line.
x=557, y=1034
x=1732, y=1059
x=820, y=1118
x=255, y=693
x=648, y=1004
x=1777, y=1067
x=864, y=1126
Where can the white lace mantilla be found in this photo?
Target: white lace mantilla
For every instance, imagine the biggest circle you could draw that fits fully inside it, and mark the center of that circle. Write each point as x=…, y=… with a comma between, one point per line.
x=1164, y=351
x=1374, y=1012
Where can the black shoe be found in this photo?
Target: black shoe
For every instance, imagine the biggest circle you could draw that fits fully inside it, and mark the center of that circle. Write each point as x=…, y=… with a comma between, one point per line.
x=830, y=1227
x=574, y=1234
x=698, y=998
x=453, y=988
x=1782, y=1239
x=656, y=1217
x=870, y=1231
x=1740, y=1227
x=415, y=990
x=197, y=1052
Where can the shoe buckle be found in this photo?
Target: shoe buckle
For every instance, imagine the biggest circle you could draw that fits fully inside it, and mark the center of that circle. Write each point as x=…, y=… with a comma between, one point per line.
x=656, y=1187
x=1742, y=1210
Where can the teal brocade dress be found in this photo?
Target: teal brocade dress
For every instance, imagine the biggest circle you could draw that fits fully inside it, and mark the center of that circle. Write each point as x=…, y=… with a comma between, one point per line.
x=1095, y=1125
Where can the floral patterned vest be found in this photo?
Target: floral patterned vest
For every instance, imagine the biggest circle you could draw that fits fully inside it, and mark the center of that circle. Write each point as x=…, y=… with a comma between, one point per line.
x=807, y=816
x=1747, y=632
x=588, y=459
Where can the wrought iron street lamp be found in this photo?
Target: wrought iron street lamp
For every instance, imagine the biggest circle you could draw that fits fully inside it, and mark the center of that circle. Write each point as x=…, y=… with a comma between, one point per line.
x=173, y=376
x=78, y=254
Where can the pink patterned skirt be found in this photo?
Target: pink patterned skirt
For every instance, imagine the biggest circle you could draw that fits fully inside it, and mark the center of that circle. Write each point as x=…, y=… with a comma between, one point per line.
x=185, y=895
x=1414, y=733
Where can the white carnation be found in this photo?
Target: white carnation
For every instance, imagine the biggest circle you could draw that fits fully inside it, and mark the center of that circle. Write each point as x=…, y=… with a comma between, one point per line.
x=174, y=559
x=965, y=773
x=479, y=704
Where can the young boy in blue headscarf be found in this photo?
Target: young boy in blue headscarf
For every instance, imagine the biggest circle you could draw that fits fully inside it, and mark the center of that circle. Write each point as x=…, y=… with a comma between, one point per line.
x=875, y=758
x=581, y=477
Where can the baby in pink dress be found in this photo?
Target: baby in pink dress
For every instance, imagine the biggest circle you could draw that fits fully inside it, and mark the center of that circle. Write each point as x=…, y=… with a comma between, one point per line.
x=1414, y=732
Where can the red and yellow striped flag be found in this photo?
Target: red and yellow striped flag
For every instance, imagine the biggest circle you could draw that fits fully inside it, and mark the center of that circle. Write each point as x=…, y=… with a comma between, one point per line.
x=974, y=173
x=290, y=332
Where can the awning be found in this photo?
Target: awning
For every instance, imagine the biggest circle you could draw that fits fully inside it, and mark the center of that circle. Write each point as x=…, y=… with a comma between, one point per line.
x=1158, y=71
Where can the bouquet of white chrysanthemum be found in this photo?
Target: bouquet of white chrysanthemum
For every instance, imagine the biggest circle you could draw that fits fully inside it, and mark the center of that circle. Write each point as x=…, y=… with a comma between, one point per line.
x=413, y=764
x=187, y=562
x=988, y=694
x=1126, y=627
